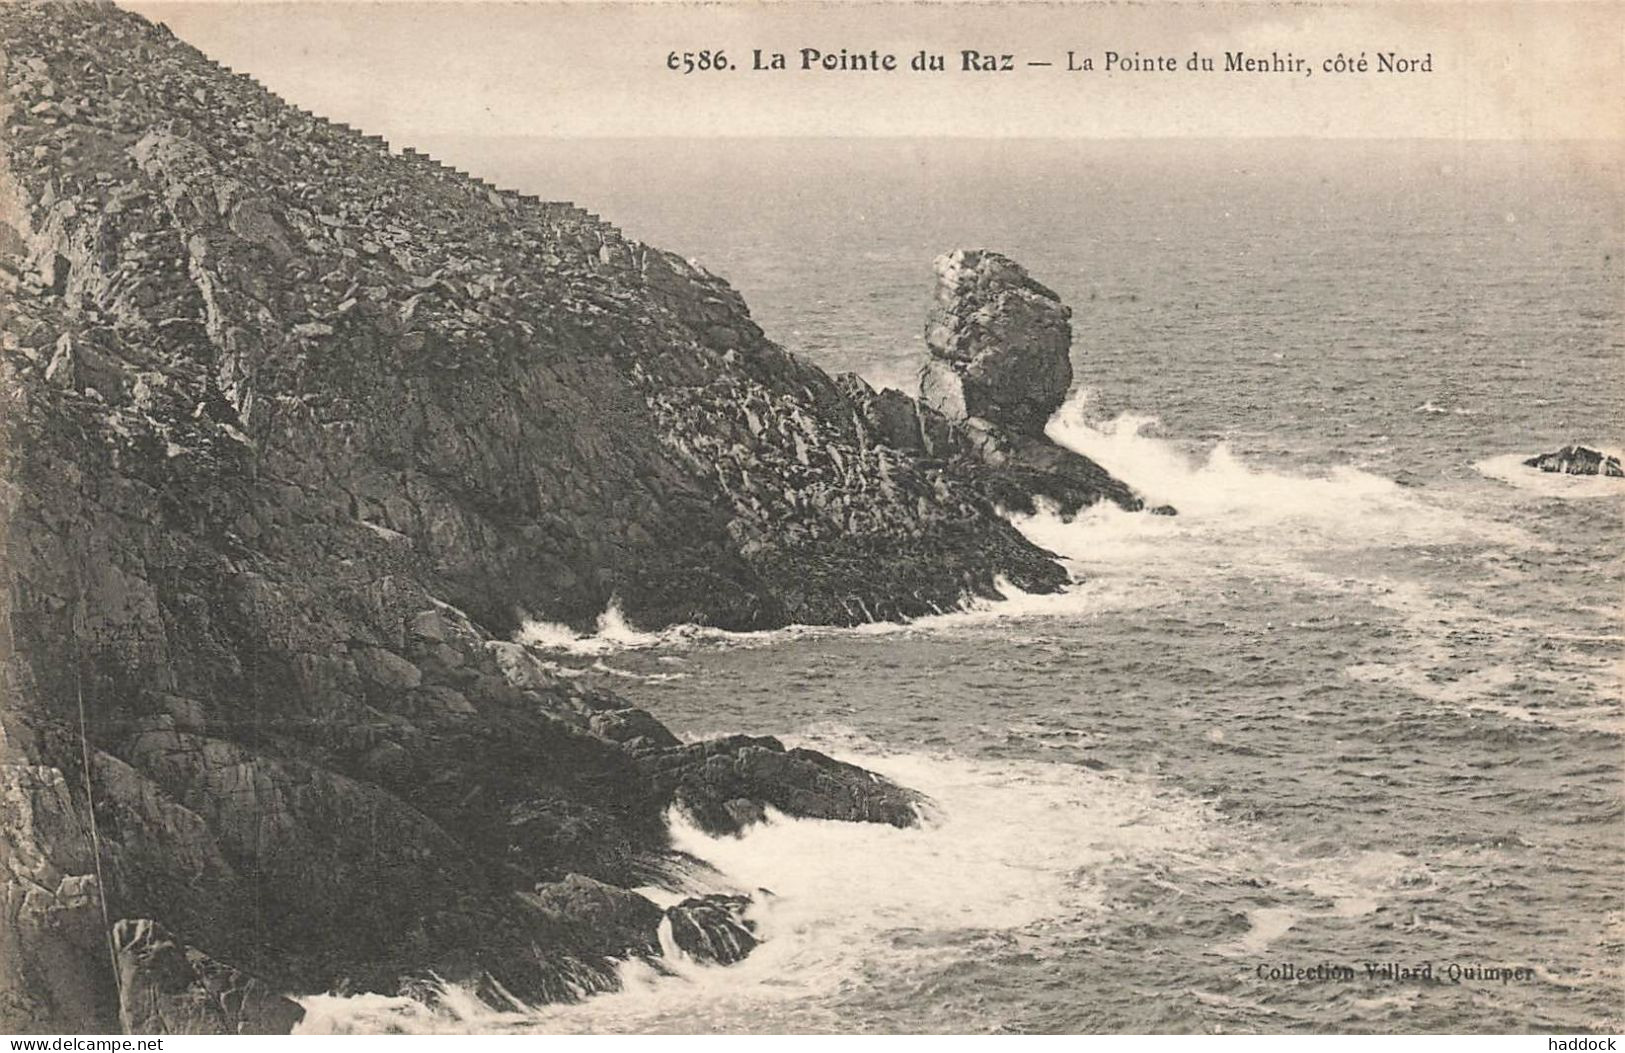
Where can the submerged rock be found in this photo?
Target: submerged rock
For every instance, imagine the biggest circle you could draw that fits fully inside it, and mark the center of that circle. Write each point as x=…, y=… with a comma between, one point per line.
x=1578, y=460
x=713, y=928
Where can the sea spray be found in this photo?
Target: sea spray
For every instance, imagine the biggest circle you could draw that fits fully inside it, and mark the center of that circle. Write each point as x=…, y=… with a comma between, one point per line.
x=1023, y=851
x=1234, y=517
x=1222, y=495
x=1011, y=846
x=615, y=637
x=612, y=633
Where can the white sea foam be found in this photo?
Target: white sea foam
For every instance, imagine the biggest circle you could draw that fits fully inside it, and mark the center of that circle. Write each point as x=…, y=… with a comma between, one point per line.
x=1220, y=500
x=1434, y=408
x=615, y=635
x=1219, y=495
x=1011, y=847
x=1233, y=518
x=1265, y=926
x=1008, y=845
x=1349, y=885
x=456, y=1009
x=1239, y=521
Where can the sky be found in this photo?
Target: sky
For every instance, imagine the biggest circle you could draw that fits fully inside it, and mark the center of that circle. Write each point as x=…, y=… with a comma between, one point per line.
x=410, y=70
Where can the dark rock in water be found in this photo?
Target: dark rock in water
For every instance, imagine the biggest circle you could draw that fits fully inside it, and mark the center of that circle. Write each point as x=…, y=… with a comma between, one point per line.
x=998, y=344
x=713, y=928
x=1578, y=460
x=168, y=989
x=1010, y=468
x=720, y=784
x=1027, y=467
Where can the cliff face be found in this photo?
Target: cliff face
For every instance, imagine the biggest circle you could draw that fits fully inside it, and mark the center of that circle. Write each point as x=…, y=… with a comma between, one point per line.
x=543, y=413
x=292, y=431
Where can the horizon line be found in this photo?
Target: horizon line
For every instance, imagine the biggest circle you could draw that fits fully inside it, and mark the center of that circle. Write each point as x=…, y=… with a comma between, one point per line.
x=743, y=137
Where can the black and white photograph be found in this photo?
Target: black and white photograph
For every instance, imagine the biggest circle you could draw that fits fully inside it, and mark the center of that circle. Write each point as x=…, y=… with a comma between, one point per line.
x=877, y=518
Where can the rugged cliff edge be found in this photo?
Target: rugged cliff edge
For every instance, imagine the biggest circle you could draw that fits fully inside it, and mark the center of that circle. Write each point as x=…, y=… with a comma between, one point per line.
x=293, y=431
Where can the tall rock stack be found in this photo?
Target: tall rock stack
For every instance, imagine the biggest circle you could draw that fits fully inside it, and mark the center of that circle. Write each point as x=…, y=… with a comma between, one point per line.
x=997, y=367
x=997, y=344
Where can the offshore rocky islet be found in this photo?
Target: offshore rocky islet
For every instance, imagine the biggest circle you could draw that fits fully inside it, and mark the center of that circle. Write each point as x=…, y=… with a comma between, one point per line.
x=296, y=431
x=1575, y=459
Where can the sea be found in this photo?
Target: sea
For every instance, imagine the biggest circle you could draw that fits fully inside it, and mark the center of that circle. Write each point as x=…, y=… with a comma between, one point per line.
x=1337, y=748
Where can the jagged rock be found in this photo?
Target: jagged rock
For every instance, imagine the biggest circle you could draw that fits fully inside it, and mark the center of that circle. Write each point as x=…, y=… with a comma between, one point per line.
x=387, y=669
x=599, y=919
x=893, y=419
x=168, y=989
x=53, y=948
x=998, y=344
x=710, y=780
x=713, y=928
x=1578, y=460
x=76, y=365
x=634, y=728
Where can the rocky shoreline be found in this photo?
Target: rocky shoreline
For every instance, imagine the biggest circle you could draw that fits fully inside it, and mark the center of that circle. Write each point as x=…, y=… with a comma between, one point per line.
x=295, y=432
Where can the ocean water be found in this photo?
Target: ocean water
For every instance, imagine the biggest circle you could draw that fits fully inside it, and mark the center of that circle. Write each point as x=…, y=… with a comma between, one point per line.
x=1359, y=703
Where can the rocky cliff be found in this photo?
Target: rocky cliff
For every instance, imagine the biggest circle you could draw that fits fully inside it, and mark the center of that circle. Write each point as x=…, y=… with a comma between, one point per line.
x=294, y=431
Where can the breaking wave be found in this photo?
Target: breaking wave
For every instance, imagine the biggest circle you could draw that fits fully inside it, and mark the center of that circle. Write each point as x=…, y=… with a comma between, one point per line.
x=1220, y=495
x=1009, y=846
x=1231, y=515
x=1014, y=850
x=614, y=635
